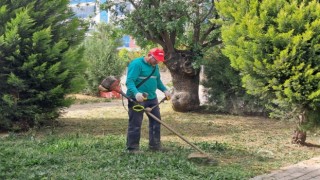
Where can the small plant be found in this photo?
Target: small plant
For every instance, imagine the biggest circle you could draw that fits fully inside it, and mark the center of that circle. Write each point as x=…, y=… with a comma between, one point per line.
x=216, y=146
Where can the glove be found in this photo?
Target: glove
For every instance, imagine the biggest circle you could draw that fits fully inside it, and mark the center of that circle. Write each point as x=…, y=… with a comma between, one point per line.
x=139, y=97
x=168, y=95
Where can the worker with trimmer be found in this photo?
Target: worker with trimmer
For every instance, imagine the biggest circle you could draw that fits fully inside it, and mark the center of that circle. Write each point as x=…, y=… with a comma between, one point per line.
x=143, y=79
x=142, y=98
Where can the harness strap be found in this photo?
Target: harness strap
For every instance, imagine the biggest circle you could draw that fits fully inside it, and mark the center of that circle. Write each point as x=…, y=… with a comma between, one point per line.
x=154, y=69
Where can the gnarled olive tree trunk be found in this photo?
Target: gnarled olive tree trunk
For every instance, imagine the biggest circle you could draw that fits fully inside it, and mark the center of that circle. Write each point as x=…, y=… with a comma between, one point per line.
x=185, y=81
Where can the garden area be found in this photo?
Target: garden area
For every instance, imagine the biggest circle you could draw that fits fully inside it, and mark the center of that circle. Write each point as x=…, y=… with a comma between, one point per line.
x=89, y=143
x=257, y=63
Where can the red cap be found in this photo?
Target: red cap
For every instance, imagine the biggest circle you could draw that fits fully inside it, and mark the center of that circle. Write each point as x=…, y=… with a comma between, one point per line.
x=157, y=53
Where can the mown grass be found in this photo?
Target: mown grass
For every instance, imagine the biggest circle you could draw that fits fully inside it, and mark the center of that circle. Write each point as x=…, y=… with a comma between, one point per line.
x=90, y=144
x=90, y=157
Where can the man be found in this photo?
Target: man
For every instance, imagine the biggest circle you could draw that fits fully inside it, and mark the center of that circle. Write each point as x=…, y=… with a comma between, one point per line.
x=143, y=79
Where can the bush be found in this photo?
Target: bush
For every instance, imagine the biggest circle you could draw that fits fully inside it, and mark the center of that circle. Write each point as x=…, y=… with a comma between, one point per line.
x=101, y=55
x=226, y=95
x=275, y=46
x=39, y=61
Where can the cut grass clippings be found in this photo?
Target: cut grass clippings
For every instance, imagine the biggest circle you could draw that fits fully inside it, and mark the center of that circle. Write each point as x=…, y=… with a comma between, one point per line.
x=90, y=144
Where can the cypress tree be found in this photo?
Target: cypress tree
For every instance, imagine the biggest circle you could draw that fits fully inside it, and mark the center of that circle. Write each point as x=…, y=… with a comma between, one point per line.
x=275, y=46
x=40, y=61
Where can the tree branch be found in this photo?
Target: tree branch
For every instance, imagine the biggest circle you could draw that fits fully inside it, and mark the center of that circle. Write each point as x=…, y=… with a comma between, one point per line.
x=148, y=33
x=211, y=43
x=196, y=26
x=133, y=4
x=209, y=12
x=173, y=37
x=167, y=40
x=208, y=31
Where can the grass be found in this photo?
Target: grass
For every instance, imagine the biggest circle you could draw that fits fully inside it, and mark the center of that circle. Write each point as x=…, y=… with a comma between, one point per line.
x=84, y=99
x=90, y=144
x=89, y=157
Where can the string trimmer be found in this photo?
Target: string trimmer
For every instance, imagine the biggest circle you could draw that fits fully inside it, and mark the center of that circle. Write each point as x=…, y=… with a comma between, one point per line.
x=111, y=83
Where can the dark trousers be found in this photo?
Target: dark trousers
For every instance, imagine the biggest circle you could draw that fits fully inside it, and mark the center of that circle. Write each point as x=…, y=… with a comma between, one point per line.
x=135, y=122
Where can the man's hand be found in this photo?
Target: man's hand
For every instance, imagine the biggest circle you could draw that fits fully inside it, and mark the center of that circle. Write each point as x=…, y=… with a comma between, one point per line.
x=168, y=95
x=139, y=97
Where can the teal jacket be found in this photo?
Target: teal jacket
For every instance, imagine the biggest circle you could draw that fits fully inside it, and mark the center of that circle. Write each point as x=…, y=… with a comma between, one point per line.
x=138, y=70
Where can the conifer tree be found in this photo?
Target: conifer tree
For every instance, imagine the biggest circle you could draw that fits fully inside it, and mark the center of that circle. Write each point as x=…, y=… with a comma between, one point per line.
x=275, y=44
x=39, y=61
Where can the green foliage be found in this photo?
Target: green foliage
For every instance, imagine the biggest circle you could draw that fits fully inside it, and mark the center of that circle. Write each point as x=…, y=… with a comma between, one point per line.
x=181, y=24
x=101, y=55
x=275, y=46
x=226, y=94
x=126, y=56
x=39, y=61
x=161, y=21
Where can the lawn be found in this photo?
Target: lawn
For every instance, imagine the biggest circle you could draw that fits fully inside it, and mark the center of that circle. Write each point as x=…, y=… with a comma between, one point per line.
x=89, y=143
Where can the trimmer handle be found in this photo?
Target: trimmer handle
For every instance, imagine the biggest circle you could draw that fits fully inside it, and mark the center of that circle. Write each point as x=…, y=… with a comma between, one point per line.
x=145, y=96
x=124, y=95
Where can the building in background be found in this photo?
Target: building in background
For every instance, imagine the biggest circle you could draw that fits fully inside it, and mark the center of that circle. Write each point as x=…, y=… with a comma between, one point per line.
x=90, y=10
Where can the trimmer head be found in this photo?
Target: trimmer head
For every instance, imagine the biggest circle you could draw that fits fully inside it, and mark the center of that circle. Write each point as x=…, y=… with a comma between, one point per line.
x=202, y=158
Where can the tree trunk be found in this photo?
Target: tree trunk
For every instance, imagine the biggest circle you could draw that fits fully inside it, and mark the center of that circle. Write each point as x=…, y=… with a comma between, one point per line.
x=185, y=81
x=299, y=135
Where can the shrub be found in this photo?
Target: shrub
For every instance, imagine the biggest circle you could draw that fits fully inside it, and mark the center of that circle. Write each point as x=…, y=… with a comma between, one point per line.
x=226, y=94
x=39, y=61
x=101, y=55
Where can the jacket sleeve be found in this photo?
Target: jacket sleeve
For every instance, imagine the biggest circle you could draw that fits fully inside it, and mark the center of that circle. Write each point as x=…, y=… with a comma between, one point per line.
x=132, y=76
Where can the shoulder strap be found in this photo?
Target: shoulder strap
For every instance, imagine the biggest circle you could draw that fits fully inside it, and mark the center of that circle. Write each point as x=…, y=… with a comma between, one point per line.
x=154, y=69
